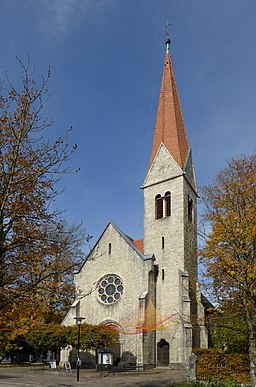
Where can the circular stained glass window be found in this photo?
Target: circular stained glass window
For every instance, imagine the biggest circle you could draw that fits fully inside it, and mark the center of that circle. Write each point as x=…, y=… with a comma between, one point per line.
x=110, y=289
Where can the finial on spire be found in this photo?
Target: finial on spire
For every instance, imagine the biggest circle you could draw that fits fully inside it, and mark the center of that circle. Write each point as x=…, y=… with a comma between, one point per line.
x=168, y=40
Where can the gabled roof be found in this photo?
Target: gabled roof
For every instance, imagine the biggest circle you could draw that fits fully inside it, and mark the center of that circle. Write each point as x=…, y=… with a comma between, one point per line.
x=170, y=128
x=137, y=246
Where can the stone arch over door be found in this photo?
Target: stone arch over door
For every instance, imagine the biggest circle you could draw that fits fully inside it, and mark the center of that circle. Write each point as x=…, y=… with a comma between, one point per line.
x=116, y=347
x=163, y=353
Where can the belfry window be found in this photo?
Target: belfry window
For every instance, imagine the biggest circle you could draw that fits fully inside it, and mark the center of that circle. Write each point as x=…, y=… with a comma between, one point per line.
x=159, y=206
x=190, y=209
x=163, y=205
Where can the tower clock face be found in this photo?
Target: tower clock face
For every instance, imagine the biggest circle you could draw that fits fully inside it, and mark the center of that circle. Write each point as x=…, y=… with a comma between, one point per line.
x=110, y=289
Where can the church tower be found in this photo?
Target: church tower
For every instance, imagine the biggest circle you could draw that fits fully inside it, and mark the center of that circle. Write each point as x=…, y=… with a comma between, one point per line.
x=170, y=225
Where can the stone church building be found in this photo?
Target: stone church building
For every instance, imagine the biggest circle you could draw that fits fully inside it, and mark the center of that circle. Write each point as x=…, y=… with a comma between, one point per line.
x=147, y=289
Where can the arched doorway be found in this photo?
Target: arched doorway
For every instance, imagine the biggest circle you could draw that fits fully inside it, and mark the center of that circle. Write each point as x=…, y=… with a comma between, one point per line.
x=163, y=353
x=115, y=346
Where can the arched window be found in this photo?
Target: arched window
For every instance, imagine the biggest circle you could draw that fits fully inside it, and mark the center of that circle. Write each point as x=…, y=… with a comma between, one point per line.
x=159, y=206
x=167, y=201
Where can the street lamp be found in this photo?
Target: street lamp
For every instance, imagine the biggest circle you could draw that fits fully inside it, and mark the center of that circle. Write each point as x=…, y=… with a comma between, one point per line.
x=78, y=363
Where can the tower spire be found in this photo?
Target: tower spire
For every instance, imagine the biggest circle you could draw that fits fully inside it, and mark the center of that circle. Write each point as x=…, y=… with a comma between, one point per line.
x=170, y=128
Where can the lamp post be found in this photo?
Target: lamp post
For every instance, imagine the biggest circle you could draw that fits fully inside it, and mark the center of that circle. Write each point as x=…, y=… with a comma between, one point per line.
x=78, y=363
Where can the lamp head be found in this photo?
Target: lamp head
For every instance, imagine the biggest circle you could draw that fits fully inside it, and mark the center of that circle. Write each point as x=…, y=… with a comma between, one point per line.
x=79, y=320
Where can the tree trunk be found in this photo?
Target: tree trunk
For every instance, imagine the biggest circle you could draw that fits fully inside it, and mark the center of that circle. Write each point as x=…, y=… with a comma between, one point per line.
x=252, y=357
x=252, y=344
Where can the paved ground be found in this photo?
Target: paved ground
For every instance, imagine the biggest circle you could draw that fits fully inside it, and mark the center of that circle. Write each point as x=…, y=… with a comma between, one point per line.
x=27, y=377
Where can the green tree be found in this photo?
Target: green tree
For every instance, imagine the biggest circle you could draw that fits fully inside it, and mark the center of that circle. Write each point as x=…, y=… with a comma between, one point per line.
x=229, y=251
x=228, y=329
x=47, y=337
x=93, y=336
x=53, y=337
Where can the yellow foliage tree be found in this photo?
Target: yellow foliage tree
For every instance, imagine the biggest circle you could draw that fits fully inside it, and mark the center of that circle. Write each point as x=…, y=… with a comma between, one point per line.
x=229, y=252
x=38, y=250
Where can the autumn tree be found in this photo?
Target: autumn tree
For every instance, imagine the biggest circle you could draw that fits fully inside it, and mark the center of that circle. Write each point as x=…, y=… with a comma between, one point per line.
x=230, y=247
x=38, y=250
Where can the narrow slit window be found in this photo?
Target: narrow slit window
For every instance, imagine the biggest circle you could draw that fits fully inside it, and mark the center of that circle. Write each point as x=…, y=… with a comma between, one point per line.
x=190, y=209
x=167, y=199
x=159, y=206
x=162, y=242
x=109, y=248
x=162, y=274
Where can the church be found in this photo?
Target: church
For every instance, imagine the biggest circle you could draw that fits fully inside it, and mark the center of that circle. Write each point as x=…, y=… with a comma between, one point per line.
x=147, y=289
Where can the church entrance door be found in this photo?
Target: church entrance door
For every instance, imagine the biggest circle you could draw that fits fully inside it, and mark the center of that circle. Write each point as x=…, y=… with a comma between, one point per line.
x=163, y=353
x=116, y=355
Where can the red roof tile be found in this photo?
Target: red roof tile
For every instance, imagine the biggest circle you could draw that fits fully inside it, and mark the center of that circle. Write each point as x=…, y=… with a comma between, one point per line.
x=139, y=244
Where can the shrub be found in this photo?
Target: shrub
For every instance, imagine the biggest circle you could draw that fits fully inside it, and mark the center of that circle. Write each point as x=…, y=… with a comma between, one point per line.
x=222, y=367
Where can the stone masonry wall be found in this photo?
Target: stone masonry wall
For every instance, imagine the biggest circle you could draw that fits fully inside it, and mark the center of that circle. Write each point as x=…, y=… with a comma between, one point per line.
x=164, y=176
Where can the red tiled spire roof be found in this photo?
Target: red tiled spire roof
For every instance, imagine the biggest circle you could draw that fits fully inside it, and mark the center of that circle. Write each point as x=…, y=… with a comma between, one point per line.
x=170, y=128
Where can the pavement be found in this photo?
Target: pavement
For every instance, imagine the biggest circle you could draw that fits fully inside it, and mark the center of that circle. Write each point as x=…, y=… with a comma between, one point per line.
x=36, y=377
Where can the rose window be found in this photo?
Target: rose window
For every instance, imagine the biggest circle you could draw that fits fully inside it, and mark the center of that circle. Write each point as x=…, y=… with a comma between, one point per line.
x=110, y=289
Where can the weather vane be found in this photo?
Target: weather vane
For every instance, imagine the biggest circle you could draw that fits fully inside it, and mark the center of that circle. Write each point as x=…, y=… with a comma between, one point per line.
x=167, y=30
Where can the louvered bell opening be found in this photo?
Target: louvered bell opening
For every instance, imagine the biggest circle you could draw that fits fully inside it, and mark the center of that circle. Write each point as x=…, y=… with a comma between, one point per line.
x=159, y=206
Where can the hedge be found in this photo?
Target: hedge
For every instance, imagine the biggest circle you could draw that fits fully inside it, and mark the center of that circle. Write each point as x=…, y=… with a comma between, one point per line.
x=222, y=366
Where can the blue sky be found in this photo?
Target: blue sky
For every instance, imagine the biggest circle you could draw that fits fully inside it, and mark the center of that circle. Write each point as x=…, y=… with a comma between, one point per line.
x=106, y=58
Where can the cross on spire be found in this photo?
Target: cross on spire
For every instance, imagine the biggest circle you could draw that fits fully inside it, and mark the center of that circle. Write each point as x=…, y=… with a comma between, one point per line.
x=167, y=33
x=167, y=30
